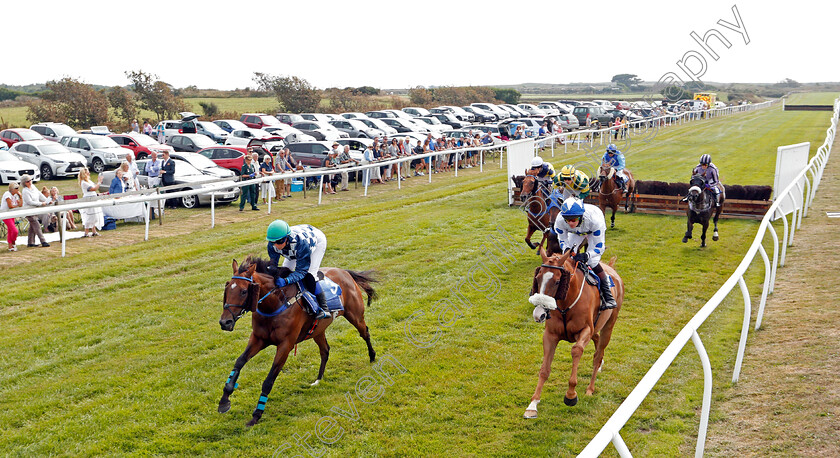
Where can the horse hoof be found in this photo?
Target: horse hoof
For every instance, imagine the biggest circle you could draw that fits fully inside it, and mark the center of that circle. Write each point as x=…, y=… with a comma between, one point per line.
x=715, y=237
x=253, y=422
x=570, y=402
x=531, y=245
x=685, y=239
x=530, y=414
x=315, y=383
x=224, y=407
x=703, y=245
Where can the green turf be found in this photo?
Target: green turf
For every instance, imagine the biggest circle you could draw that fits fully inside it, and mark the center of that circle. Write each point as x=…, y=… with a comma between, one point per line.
x=118, y=351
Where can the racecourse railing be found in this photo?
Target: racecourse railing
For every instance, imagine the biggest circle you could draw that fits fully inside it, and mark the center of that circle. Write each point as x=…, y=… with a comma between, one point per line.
x=611, y=431
x=221, y=186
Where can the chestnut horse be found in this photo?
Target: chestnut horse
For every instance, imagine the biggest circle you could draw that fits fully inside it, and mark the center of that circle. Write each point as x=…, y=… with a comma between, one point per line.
x=279, y=318
x=609, y=194
x=574, y=315
x=542, y=205
x=701, y=206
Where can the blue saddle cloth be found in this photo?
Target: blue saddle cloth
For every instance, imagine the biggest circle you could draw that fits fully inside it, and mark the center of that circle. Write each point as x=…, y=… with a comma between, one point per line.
x=332, y=291
x=593, y=279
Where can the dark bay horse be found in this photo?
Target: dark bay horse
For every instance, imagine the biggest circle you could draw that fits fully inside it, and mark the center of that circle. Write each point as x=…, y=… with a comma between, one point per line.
x=574, y=315
x=279, y=318
x=542, y=205
x=701, y=205
x=609, y=194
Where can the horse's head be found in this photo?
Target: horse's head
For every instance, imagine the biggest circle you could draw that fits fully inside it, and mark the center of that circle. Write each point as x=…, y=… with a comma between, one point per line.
x=605, y=172
x=551, y=280
x=529, y=186
x=241, y=295
x=695, y=191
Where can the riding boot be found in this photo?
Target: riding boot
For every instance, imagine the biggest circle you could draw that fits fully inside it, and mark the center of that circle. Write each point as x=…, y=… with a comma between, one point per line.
x=606, y=294
x=322, y=303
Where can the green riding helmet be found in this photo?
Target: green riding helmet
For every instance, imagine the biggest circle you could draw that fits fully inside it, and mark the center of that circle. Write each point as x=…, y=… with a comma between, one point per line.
x=277, y=230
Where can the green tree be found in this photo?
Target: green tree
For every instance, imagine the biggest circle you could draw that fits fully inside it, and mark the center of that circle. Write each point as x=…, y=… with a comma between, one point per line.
x=420, y=96
x=123, y=102
x=155, y=95
x=72, y=102
x=295, y=94
x=210, y=109
x=510, y=96
x=8, y=94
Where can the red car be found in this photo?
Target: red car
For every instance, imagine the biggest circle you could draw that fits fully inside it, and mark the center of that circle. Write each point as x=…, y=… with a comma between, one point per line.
x=141, y=144
x=259, y=120
x=229, y=157
x=12, y=136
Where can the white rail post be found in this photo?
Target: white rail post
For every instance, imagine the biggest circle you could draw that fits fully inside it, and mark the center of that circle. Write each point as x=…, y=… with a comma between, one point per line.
x=745, y=329
x=784, y=239
x=148, y=204
x=212, y=209
x=320, y=188
x=764, y=289
x=63, y=233
x=268, y=194
x=775, y=255
x=481, y=160
x=707, y=393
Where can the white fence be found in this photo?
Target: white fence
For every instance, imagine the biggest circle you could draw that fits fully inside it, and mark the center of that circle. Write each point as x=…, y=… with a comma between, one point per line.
x=214, y=187
x=611, y=431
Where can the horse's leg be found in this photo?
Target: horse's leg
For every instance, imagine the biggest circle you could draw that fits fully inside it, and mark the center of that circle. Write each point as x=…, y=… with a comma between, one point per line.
x=612, y=219
x=550, y=341
x=357, y=319
x=254, y=346
x=283, y=350
x=324, y=349
x=690, y=226
x=577, y=351
x=705, y=225
x=531, y=229
x=715, y=236
x=601, y=341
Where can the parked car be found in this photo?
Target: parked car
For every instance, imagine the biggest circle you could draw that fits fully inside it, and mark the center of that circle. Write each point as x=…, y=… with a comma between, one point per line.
x=321, y=117
x=52, y=130
x=605, y=104
x=288, y=118
x=12, y=136
x=50, y=158
x=568, y=122
x=480, y=115
x=357, y=145
x=188, y=177
x=212, y=130
x=322, y=131
x=560, y=108
x=100, y=152
x=417, y=111
x=621, y=104
x=581, y=112
x=432, y=123
x=205, y=165
x=189, y=142
x=550, y=110
x=450, y=119
x=242, y=137
x=312, y=154
x=380, y=114
x=378, y=124
x=258, y=120
x=353, y=115
x=532, y=110
x=170, y=127
x=404, y=125
x=522, y=113
x=492, y=108
x=229, y=125
x=229, y=157
x=12, y=168
x=571, y=103
x=289, y=134
x=399, y=114
x=515, y=114
x=141, y=144
x=356, y=128
x=460, y=113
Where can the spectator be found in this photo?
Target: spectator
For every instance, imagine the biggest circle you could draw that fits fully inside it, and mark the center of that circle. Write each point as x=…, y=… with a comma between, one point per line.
x=331, y=180
x=419, y=164
x=32, y=198
x=382, y=154
x=161, y=134
x=393, y=153
x=616, y=127
x=135, y=126
x=153, y=170
x=92, y=218
x=11, y=200
x=147, y=128
x=344, y=158
x=267, y=187
x=129, y=181
x=285, y=164
x=167, y=177
x=132, y=168
x=248, y=172
x=58, y=199
x=624, y=124
x=370, y=157
x=119, y=184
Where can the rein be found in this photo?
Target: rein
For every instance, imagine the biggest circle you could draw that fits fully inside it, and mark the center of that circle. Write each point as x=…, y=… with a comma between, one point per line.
x=243, y=309
x=580, y=293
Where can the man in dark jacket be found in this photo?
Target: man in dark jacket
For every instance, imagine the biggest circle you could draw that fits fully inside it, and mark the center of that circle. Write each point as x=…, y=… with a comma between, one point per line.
x=249, y=172
x=167, y=175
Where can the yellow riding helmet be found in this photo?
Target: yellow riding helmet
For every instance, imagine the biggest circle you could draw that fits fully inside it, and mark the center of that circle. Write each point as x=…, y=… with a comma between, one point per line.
x=568, y=171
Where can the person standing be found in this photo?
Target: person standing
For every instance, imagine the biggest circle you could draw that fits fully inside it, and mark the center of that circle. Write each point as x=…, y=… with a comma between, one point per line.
x=161, y=133
x=147, y=128
x=248, y=172
x=92, y=218
x=267, y=187
x=135, y=126
x=33, y=198
x=167, y=170
x=153, y=170
x=11, y=200
x=344, y=158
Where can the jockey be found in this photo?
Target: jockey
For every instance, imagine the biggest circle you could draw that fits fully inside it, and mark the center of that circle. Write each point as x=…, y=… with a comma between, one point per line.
x=303, y=248
x=710, y=175
x=543, y=170
x=581, y=223
x=574, y=182
x=615, y=158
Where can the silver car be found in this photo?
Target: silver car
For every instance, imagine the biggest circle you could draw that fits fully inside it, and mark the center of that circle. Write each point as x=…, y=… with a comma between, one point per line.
x=99, y=151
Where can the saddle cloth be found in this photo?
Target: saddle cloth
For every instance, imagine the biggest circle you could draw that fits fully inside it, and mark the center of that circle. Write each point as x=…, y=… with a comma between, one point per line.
x=332, y=291
x=593, y=279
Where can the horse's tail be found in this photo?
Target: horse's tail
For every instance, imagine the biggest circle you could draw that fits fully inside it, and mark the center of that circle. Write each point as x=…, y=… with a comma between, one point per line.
x=612, y=261
x=364, y=280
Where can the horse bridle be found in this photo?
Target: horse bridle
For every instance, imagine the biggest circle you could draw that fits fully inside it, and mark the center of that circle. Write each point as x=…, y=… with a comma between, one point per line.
x=286, y=302
x=564, y=311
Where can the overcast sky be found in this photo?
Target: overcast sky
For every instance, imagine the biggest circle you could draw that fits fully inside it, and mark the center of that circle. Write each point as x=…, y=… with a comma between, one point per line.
x=399, y=44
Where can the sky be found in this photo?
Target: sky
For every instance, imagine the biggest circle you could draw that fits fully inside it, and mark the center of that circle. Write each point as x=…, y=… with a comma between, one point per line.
x=400, y=44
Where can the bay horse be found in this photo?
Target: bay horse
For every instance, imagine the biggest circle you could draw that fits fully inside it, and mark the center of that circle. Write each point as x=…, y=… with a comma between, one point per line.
x=574, y=315
x=542, y=206
x=609, y=194
x=701, y=205
x=279, y=318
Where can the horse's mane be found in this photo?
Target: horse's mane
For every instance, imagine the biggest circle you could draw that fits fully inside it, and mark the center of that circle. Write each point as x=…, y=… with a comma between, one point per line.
x=262, y=266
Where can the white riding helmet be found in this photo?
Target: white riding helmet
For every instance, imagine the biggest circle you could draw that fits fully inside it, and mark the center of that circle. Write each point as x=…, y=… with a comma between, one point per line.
x=537, y=162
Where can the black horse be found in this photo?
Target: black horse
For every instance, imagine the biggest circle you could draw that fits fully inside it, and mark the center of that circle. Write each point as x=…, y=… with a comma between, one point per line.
x=701, y=205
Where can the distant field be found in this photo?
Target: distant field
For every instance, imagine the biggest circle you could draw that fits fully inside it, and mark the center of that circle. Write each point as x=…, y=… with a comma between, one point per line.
x=815, y=98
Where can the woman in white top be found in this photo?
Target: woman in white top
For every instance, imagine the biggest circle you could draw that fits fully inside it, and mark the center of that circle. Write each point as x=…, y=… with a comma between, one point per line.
x=11, y=200
x=92, y=218
x=131, y=177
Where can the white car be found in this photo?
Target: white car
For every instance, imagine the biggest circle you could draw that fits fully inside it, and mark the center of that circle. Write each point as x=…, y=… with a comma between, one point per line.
x=50, y=158
x=53, y=130
x=400, y=114
x=203, y=164
x=432, y=123
x=417, y=111
x=550, y=110
x=318, y=129
x=492, y=108
x=532, y=110
x=242, y=137
x=354, y=115
x=406, y=125
x=316, y=117
x=377, y=124
x=289, y=134
x=12, y=168
x=606, y=104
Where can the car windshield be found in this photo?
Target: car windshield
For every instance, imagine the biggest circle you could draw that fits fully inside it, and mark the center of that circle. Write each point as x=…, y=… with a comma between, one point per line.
x=144, y=140
x=270, y=120
x=202, y=141
x=356, y=124
x=210, y=127
x=7, y=156
x=103, y=142
x=201, y=162
x=29, y=135
x=62, y=130
x=53, y=148
x=183, y=169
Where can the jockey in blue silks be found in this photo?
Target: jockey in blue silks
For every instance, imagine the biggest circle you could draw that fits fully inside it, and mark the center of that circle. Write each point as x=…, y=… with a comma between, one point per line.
x=303, y=248
x=615, y=158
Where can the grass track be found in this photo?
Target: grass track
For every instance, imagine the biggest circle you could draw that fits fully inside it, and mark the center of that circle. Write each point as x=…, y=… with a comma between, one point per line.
x=118, y=351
